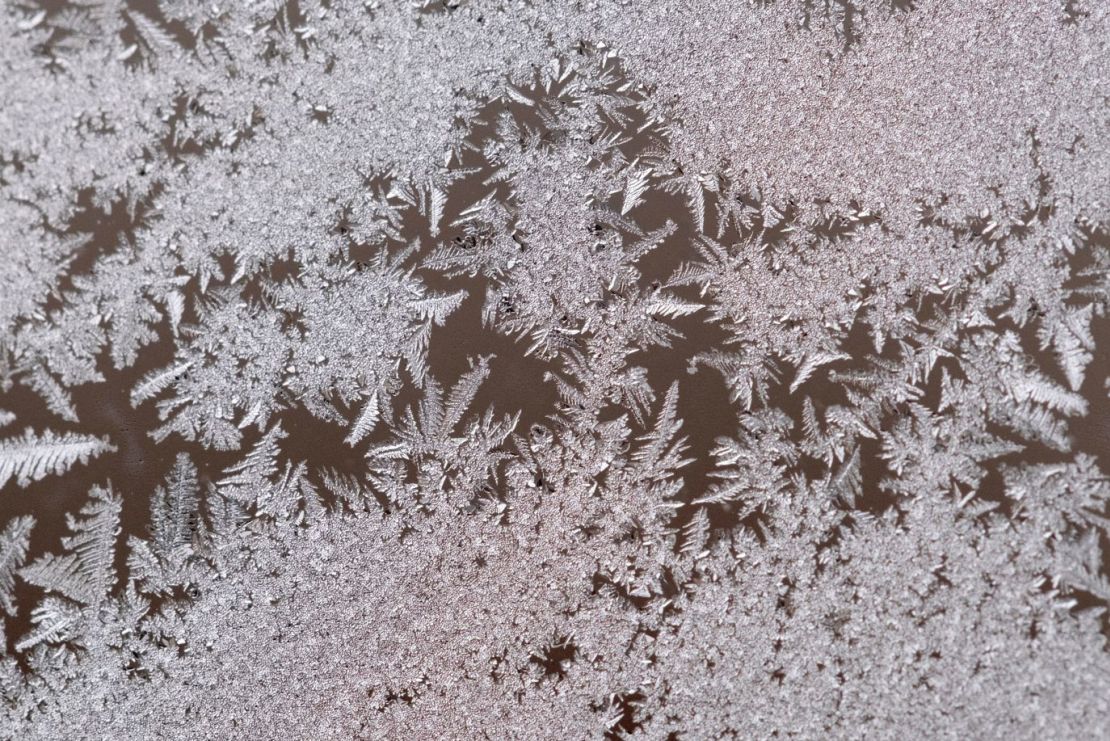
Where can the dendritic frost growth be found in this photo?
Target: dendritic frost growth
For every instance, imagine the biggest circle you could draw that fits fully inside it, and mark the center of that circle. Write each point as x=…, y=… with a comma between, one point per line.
x=472, y=368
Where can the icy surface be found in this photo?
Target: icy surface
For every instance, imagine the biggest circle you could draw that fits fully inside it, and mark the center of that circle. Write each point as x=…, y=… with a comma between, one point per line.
x=463, y=369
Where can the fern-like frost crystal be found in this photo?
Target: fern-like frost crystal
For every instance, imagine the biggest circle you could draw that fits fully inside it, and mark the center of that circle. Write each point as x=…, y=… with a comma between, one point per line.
x=33, y=457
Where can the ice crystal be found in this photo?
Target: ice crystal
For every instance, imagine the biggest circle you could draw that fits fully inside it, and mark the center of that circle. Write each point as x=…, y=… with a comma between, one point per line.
x=466, y=368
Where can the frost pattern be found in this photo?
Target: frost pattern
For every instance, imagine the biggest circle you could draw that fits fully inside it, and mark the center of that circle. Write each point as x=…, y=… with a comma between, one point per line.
x=555, y=370
x=31, y=457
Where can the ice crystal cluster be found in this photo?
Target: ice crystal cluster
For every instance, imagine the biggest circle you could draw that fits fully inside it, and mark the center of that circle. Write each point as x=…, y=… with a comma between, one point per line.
x=521, y=369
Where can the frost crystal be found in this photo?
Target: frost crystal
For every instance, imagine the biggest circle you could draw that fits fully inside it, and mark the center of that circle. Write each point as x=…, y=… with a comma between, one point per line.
x=462, y=368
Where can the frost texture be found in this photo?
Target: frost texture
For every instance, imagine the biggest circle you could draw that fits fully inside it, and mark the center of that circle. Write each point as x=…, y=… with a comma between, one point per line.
x=32, y=457
x=458, y=369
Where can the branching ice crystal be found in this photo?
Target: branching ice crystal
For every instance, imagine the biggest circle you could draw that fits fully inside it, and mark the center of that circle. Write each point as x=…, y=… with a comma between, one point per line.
x=470, y=368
